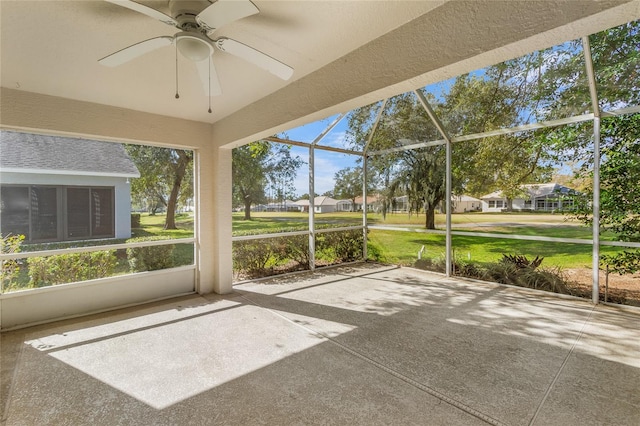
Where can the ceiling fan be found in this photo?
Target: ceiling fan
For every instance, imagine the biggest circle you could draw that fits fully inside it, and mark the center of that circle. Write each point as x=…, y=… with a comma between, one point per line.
x=197, y=20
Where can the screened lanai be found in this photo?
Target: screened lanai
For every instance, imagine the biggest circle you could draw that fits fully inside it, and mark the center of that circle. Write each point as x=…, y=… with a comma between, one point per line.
x=407, y=62
x=481, y=129
x=527, y=137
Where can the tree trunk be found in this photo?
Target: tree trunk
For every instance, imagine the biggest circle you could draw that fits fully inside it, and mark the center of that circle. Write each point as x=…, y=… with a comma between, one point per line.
x=430, y=219
x=509, y=205
x=181, y=168
x=247, y=209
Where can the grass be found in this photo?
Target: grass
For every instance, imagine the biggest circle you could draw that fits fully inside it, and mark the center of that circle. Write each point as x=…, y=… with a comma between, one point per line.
x=154, y=226
x=402, y=247
x=149, y=226
x=271, y=222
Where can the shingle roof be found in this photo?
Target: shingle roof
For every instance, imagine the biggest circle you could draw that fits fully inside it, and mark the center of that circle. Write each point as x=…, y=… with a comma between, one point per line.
x=33, y=153
x=535, y=190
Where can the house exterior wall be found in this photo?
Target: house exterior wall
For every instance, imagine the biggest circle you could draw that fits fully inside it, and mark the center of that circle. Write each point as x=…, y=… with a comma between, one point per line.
x=122, y=192
x=466, y=206
x=344, y=206
x=489, y=205
x=325, y=208
x=518, y=204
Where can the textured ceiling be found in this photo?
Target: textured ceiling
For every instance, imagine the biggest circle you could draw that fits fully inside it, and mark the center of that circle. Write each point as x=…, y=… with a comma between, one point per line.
x=52, y=47
x=345, y=54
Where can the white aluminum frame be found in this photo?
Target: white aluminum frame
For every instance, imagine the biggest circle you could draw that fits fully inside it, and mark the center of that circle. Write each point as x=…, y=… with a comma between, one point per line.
x=448, y=140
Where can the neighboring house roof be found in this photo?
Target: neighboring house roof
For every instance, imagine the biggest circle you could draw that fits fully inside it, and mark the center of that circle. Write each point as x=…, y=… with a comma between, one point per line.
x=42, y=154
x=456, y=198
x=324, y=201
x=535, y=190
x=318, y=201
x=463, y=198
x=370, y=199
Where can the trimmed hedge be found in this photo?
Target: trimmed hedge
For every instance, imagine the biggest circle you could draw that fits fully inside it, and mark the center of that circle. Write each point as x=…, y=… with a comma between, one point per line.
x=151, y=258
x=264, y=257
x=69, y=268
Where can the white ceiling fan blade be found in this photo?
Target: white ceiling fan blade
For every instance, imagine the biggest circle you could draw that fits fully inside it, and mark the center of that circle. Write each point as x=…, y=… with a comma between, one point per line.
x=145, y=10
x=129, y=53
x=256, y=57
x=222, y=12
x=208, y=75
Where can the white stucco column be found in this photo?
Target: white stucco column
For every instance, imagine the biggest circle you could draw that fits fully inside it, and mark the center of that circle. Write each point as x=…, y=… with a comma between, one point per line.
x=214, y=226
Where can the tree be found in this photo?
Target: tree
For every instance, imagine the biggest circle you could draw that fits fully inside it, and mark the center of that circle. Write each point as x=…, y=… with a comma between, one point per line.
x=281, y=170
x=306, y=196
x=259, y=165
x=162, y=174
x=249, y=174
x=181, y=161
x=418, y=174
x=619, y=189
x=348, y=184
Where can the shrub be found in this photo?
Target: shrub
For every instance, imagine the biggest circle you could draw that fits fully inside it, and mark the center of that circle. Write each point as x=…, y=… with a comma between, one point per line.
x=72, y=267
x=253, y=256
x=511, y=269
x=135, y=220
x=375, y=253
x=548, y=279
x=9, y=269
x=295, y=248
x=340, y=246
x=520, y=261
x=258, y=258
x=150, y=258
x=626, y=262
x=436, y=264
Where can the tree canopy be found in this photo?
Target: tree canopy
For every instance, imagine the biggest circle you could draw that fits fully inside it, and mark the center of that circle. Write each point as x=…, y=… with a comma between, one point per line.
x=259, y=167
x=545, y=85
x=166, y=179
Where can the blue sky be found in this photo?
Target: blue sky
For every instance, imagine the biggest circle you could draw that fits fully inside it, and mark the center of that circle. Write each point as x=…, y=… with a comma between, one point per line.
x=327, y=163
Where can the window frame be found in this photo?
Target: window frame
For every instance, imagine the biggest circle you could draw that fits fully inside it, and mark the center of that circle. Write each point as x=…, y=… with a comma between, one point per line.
x=62, y=212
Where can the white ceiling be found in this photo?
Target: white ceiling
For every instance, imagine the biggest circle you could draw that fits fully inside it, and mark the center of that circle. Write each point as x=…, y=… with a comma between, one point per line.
x=52, y=48
x=345, y=54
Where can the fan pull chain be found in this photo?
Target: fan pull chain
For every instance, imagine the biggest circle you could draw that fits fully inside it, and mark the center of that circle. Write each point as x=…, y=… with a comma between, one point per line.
x=209, y=85
x=177, y=95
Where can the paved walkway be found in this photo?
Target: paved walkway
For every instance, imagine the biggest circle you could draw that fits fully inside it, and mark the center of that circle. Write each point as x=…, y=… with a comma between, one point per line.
x=363, y=345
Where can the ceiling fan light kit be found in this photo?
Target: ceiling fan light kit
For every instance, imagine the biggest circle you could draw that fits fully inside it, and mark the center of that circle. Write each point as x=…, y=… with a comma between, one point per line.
x=197, y=20
x=193, y=46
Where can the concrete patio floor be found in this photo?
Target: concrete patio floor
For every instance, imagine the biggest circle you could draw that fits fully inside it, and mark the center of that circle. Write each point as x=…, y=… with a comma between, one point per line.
x=356, y=345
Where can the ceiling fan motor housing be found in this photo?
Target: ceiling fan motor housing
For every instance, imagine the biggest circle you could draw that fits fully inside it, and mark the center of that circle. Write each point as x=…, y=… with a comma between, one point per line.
x=185, y=11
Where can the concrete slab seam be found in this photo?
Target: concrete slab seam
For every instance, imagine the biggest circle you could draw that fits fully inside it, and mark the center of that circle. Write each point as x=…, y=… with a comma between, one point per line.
x=436, y=394
x=564, y=363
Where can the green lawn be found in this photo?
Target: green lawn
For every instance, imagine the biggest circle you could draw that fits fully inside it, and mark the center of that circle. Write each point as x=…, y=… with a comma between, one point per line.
x=154, y=225
x=269, y=222
x=150, y=226
x=401, y=247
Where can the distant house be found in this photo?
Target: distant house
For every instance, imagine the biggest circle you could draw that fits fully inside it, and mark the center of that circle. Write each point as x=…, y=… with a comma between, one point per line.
x=374, y=203
x=321, y=204
x=344, y=206
x=59, y=189
x=282, y=206
x=539, y=197
x=459, y=204
x=465, y=203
